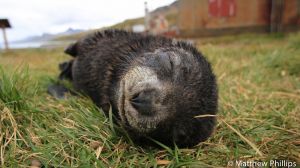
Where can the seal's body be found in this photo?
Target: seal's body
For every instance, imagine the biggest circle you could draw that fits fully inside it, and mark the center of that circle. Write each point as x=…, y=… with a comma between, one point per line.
x=156, y=86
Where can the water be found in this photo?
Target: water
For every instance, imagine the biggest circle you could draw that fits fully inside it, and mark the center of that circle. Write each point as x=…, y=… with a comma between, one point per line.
x=37, y=44
x=26, y=45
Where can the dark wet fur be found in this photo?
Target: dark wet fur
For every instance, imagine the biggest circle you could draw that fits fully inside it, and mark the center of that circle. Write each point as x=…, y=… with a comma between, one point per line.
x=100, y=60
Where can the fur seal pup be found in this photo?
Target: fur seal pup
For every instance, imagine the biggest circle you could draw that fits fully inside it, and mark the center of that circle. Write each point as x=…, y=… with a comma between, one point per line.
x=155, y=85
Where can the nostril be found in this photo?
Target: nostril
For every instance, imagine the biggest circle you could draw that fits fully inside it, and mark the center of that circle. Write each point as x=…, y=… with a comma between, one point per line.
x=142, y=102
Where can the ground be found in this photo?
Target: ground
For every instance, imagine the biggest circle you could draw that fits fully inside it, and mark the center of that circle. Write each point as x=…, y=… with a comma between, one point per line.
x=258, y=118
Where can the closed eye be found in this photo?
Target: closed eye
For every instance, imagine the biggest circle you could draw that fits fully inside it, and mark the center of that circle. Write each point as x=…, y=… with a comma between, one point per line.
x=171, y=63
x=135, y=97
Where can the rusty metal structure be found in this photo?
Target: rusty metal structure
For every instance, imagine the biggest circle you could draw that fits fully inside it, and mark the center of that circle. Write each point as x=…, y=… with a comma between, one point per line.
x=218, y=17
x=4, y=23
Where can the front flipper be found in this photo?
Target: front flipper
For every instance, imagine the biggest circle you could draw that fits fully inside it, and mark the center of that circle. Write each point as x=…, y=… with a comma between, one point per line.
x=58, y=91
x=66, y=70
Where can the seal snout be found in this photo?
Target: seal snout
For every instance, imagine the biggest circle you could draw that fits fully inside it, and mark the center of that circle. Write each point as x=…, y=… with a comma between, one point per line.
x=140, y=99
x=144, y=102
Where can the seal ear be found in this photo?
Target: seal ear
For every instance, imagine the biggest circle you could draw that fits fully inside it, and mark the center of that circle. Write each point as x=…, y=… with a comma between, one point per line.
x=72, y=49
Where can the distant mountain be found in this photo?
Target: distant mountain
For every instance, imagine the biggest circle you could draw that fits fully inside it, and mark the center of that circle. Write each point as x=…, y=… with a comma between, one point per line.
x=49, y=36
x=70, y=31
x=43, y=37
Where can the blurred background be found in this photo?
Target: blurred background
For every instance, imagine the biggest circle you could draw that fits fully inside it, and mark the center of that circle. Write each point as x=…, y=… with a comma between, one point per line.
x=35, y=23
x=252, y=45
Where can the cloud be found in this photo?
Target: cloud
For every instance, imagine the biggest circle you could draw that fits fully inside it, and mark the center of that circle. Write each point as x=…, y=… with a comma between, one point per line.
x=34, y=17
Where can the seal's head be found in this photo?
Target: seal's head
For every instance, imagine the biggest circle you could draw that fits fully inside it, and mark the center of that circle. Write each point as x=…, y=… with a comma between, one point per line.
x=162, y=93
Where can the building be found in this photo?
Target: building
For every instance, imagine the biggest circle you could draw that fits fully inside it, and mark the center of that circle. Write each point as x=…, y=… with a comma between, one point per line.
x=217, y=17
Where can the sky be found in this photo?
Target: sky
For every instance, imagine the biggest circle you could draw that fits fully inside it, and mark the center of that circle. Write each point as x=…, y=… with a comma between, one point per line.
x=35, y=17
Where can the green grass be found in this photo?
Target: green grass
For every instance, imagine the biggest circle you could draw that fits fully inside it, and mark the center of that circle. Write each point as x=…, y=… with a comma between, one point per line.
x=258, y=119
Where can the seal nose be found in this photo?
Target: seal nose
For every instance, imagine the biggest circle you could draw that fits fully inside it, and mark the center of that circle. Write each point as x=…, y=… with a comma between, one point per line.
x=142, y=102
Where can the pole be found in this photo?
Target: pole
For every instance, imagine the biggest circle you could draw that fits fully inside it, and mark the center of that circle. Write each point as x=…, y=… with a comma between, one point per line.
x=276, y=15
x=4, y=38
x=147, y=17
